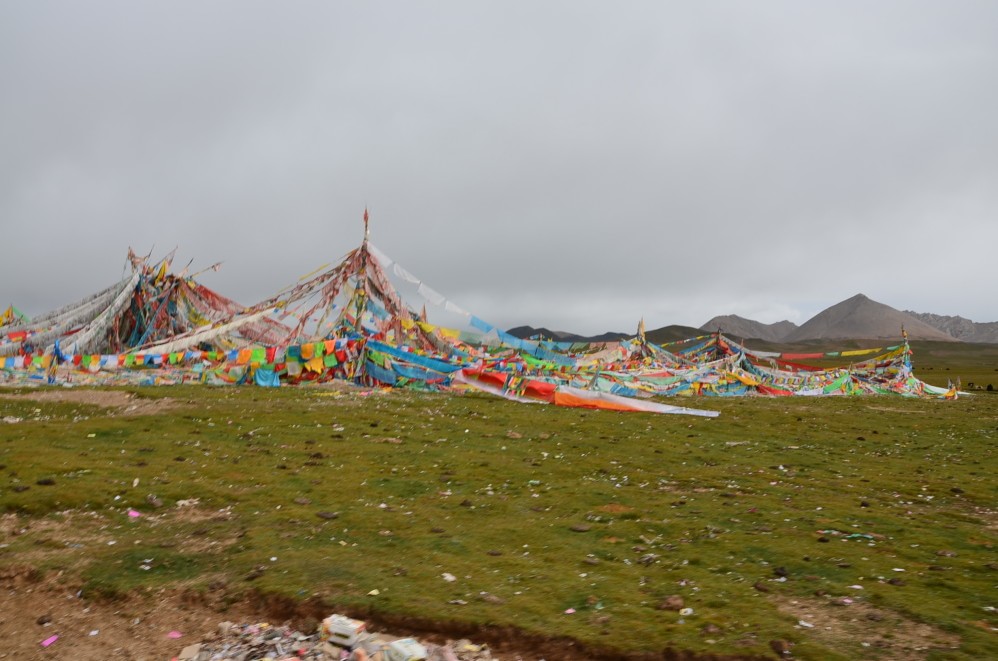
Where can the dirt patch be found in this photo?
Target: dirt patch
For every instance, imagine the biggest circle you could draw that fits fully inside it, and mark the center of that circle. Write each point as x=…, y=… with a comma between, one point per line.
x=33, y=609
x=886, y=634
x=614, y=508
x=125, y=403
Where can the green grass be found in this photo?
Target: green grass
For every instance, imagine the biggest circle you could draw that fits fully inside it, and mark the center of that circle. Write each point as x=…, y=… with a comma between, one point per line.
x=488, y=491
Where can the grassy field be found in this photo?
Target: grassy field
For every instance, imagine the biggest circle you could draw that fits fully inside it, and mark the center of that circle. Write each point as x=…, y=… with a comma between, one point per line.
x=847, y=528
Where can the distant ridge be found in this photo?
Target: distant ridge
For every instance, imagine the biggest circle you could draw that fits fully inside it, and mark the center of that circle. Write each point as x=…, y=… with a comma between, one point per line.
x=526, y=332
x=962, y=329
x=739, y=327
x=860, y=317
x=672, y=333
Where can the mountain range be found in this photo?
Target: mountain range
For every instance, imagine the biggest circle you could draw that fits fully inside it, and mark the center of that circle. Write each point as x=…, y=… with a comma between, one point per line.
x=856, y=318
x=860, y=317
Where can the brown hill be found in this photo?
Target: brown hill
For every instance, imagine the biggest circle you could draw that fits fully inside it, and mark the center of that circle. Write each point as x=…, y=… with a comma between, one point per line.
x=739, y=327
x=860, y=317
x=961, y=328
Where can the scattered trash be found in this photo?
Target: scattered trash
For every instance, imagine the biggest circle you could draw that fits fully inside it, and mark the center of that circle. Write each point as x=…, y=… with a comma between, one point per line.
x=174, y=635
x=338, y=638
x=450, y=578
x=569, y=611
x=48, y=641
x=134, y=514
x=341, y=630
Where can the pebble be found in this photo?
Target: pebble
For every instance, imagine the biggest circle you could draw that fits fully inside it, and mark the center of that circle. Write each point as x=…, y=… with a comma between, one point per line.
x=781, y=647
x=671, y=603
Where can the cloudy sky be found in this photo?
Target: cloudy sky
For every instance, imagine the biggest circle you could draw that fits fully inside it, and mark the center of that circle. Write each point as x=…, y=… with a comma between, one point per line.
x=574, y=165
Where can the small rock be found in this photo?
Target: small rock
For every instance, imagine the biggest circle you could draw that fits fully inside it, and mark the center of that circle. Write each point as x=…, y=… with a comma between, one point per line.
x=154, y=500
x=671, y=603
x=780, y=571
x=190, y=652
x=494, y=553
x=581, y=527
x=946, y=553
x=45, y=482
x=956, y=490
x=823, y=540
x=301, y=500
x=43, y=619
x=781, y=647
x=328, y=515
x=896, y=581
x=875, y=616
x=490, y=598
x=709, y=629
x=761, y=587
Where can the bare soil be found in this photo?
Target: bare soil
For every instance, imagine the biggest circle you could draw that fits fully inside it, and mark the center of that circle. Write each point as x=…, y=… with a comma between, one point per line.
x=888, y=635
x=123, y=403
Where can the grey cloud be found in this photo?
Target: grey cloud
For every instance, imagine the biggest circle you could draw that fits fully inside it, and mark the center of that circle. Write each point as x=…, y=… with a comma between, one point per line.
x=573, y=165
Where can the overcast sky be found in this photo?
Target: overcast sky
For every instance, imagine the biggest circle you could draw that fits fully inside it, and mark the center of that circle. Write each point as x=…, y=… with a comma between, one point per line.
x=574, y=165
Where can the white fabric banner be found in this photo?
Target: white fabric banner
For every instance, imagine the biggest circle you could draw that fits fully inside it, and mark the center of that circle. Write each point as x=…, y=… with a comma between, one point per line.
x=405, y=275
x=430, y=295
